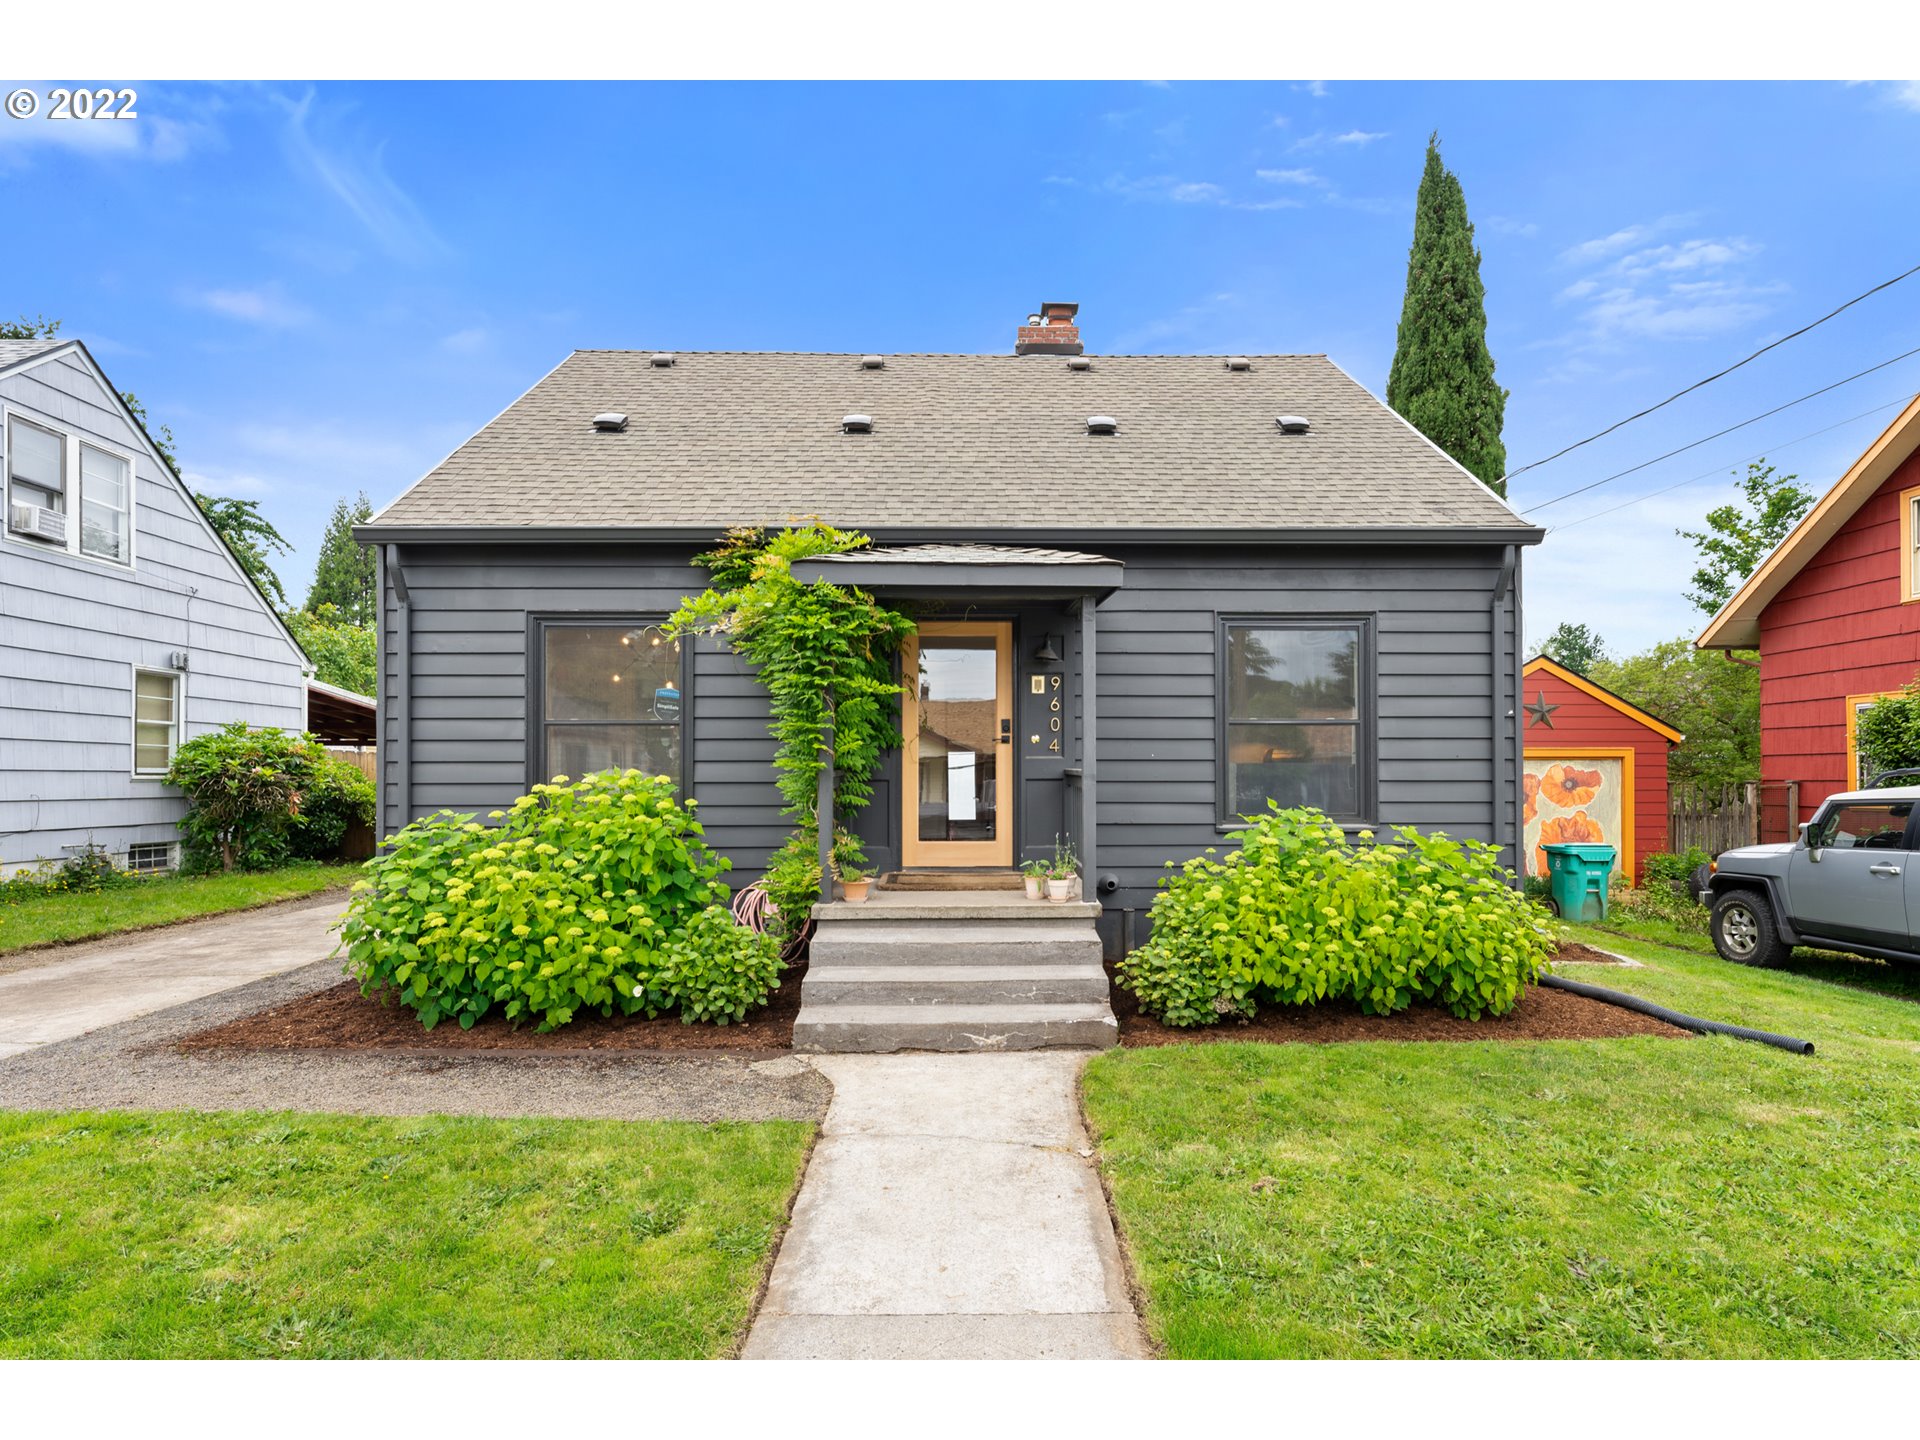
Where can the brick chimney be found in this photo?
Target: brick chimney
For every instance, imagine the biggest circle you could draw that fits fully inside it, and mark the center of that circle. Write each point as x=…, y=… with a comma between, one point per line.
x=1051, y=332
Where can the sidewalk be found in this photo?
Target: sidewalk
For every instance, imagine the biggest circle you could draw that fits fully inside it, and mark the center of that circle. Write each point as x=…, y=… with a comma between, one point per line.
x=950, y=1211
x=106, y=981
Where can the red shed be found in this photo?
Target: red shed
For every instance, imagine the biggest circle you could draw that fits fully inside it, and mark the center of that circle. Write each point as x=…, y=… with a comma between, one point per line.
x=1835, y=615
x=1596, y=768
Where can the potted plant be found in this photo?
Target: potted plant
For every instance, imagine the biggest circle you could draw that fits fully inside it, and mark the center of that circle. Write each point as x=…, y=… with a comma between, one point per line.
x=1034, y=873
x=851, y=867
x=1061, y=874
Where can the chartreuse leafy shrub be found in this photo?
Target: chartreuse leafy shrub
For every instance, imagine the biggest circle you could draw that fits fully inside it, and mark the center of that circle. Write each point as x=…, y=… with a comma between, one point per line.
x=1296, y=915
x=597, y=895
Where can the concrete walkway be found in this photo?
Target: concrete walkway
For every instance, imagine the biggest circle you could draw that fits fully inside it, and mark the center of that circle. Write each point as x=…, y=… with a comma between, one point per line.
x=107, y=981
x=950, y=1211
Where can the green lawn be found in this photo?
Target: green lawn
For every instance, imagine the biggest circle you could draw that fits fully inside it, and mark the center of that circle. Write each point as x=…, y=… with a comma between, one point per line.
x=1639, y=1197
x=28, y=919
x=197, y=1235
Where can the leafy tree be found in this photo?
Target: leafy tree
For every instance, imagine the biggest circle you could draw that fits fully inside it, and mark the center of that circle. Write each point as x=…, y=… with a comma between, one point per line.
x=347, y=574
x=1578, y=647
x=1740, y=535
x=1887, y=734
x=251, y=537
x=38, y=328
x=1442, y=377
x=343, y=654
x=1711, y=699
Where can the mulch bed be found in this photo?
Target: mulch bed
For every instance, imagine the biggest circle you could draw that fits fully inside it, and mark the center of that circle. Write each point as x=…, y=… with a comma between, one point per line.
x=1542, y=1014
x=341, y=1018
x=1583, y=955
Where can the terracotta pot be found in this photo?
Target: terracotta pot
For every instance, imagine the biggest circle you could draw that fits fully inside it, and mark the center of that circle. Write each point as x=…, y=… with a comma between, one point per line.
x=1059, y=891
x=855, y=891
x=1034, y=882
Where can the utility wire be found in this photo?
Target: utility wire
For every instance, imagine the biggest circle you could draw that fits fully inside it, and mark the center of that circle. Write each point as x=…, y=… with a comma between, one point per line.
x=1706, y=439
x=1721, y=469
x=1717, y=375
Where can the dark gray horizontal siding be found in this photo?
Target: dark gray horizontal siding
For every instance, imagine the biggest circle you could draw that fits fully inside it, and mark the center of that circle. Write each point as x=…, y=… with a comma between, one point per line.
x=1438, y=713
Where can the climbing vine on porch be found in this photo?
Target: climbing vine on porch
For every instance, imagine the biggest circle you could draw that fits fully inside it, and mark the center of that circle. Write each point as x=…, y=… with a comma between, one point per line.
x=825, y=653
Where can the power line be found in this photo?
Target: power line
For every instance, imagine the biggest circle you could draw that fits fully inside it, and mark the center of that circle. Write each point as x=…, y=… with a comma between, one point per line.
x=1718, y=375
x=1721, y=469
x=1705, y=439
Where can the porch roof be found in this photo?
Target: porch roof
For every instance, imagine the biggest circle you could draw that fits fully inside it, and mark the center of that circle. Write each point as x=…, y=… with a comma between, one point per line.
x=1010, y=570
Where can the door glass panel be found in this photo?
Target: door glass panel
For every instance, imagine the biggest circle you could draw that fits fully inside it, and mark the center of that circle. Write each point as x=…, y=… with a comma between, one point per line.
x=959, y=705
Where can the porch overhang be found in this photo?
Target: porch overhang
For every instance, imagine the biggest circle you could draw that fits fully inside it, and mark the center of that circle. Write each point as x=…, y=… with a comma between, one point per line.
x=975, y=571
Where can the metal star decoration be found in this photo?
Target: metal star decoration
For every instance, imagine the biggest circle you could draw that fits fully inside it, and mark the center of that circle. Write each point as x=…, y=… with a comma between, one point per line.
x=1539, y=712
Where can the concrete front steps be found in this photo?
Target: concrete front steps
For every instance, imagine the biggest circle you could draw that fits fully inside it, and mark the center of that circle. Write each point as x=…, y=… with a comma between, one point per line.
x=954, y=970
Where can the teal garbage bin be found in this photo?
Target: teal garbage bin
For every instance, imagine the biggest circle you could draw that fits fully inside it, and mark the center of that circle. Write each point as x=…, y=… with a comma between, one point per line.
x=1577, y=878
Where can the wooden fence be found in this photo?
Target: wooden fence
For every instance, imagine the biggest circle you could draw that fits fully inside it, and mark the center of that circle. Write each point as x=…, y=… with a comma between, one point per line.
x=364, y=758
x=1732, y=815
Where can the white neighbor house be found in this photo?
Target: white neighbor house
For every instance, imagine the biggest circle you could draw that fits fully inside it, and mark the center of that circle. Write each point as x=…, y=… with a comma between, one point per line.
x=126, y=625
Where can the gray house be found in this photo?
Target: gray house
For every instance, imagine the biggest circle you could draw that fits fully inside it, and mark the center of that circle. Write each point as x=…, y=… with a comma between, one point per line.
x=1152, y=592
x=126, y=625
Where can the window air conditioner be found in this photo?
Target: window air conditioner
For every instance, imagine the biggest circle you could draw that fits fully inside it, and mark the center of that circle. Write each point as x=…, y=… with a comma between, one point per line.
x=37, y=521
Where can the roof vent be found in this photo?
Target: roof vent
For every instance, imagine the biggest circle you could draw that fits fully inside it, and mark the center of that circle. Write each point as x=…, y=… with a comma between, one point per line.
x=1239, y=362
x=661, y=361
x=856, y=424
x=1293, y=424
x=1079, y=362
x=873, y=362
x=610, y=422
x=1102, y=425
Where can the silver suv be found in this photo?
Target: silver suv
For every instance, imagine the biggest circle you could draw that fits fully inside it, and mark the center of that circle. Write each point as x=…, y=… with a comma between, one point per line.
x=1850, y=882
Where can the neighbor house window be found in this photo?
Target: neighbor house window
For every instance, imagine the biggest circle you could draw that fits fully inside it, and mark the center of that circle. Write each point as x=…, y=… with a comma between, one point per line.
x=149, y=857
x=106, y=499
x=1910, y=545
x=156, y=720
x=1297, y=727
x=36, y=480
x=610, y=699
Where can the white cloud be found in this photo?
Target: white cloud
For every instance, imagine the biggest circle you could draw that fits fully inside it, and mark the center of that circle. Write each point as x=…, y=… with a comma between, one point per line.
x=1360, y=137
x=1316, y=88
x=265, y=306
x=1505, y=225
x=466, y=342
x=1300, y=176
x=169, y=123
x=1638, y=287
x=1196, y=192
x=230, y=483
x=1904, y=93
x=1281, y=122
x=353, y=170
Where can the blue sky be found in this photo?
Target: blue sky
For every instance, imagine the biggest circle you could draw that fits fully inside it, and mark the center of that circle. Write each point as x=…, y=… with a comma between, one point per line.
x=326, y=288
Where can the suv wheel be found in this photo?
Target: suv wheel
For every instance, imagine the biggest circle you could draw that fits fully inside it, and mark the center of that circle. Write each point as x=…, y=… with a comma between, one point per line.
x=1744, y=930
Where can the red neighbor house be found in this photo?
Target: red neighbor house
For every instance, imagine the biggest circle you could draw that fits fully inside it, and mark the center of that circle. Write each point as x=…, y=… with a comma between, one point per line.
x=1595, y=769
x=1835, y=615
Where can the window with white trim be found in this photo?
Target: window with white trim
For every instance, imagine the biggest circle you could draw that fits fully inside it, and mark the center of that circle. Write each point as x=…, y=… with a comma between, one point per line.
x=36, y=481
x=156, y=720
x=106, y=504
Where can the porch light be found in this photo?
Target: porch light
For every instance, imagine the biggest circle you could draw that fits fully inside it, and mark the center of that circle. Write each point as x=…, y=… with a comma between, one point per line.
x=1046, y=654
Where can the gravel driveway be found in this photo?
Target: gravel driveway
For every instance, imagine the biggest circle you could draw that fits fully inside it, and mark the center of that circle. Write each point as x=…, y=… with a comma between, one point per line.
x=133, y=1066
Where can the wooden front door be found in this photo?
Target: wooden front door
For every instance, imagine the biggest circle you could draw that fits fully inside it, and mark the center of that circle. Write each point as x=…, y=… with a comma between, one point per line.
x=957, y=716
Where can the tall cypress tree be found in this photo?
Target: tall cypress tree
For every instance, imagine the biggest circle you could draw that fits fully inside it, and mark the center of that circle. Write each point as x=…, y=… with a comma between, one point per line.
x=347, y=572
x=1442, y=377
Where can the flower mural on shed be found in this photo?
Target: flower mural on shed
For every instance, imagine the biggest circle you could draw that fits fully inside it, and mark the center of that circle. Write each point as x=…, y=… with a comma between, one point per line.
x=1569, y=786
x=1578, y=828
x=1530, y=783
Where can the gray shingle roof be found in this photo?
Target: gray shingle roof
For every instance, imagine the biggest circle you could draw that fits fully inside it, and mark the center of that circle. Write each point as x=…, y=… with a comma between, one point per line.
x=12, y=352
x=981, y=442
x=966, y=555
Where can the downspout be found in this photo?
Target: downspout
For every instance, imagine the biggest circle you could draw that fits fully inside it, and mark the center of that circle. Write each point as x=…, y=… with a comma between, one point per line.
x=402, y=687
x=1505, y=812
